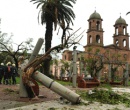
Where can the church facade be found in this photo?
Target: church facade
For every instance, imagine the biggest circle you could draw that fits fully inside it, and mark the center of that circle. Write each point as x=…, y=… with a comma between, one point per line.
x=117, y=51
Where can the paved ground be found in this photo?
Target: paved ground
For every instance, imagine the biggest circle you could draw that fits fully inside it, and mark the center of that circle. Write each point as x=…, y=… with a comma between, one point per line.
x=9, y=100
x=9, y=97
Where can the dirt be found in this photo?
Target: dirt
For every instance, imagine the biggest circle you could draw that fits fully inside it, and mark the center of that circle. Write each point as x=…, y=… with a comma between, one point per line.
x=9, y=96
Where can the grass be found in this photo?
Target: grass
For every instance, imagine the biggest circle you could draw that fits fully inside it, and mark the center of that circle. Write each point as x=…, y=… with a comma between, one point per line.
x=107, y=86
x=70, y=83
x=129, y=83
x=64, y=83
x=18, y=80
x=10, y=91
x=105, y=97
x=61, y=82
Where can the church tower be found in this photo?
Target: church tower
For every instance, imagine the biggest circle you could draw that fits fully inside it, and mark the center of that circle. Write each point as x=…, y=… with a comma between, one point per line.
x=95, y=31
x=121, y=37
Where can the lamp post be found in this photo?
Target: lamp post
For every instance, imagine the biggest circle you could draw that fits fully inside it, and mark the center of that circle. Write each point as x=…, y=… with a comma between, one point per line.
x=109, y=72
x=23, y=92
x=126, y=77
x=74, y=78
x=80, y=66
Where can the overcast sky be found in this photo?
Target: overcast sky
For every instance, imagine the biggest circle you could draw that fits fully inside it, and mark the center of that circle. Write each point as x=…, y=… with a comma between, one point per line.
x=20, y=18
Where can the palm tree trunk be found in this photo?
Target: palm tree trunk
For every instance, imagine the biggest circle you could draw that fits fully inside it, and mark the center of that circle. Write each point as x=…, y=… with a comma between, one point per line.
x=48, y=39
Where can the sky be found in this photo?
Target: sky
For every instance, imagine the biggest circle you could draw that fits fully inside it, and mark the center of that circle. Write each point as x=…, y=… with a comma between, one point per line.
x=20, y=18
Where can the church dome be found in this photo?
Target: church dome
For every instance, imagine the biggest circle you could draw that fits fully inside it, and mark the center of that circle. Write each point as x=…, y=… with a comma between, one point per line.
x=120, y=20
x=95, y=15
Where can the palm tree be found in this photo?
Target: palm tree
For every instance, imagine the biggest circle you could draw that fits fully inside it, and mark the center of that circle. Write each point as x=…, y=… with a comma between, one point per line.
x=128, y=13
x=54, y=12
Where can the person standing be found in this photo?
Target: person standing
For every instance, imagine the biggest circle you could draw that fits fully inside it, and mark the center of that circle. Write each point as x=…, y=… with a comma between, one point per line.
x=1, y=72
x=14, y=73
x=5, y=80
x=9, y=74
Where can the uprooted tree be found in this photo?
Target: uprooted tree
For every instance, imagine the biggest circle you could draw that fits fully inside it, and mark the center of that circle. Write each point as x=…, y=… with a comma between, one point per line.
x=67, y=42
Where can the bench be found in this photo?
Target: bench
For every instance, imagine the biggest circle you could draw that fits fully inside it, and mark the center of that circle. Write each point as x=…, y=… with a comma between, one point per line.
x=82, y=83
x=116, y=83
x=92, y=84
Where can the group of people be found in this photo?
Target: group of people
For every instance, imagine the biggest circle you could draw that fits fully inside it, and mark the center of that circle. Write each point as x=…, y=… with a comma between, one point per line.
x=8, y=73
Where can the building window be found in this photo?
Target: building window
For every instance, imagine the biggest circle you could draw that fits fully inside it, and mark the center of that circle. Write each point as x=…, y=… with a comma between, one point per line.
x=117, y=43
x=116, y=31
x=98, y=25
x=124, y=43
x=97, y=38
x=124, y=31
x=90, y=39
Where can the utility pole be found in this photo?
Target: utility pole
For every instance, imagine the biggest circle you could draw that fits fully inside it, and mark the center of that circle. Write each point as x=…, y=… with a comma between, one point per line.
x=126, y=77
x=74, y=78
x=109, y=72
x=23, y=92
x=80, y=66
x=56, y=87
x=36, y=49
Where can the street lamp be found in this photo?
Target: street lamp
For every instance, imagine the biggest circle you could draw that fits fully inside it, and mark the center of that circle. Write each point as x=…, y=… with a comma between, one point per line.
x=74, y=78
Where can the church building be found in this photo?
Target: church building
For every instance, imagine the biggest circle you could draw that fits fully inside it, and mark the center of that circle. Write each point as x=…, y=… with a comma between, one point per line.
x=94, y=40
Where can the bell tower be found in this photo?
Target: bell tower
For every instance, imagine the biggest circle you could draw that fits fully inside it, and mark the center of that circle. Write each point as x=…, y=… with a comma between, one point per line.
x=121, y=37
x=95, y=31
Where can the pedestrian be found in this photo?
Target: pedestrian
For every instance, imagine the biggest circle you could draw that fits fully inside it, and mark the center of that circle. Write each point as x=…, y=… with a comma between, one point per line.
x=9, y=74
x=5, y=80
x=1, y=72
x=13, y=73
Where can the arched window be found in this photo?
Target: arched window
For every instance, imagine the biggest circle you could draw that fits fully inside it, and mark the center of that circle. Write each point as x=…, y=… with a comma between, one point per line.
x=97, y=38
x=124, y=31
x=117, y=43
x=124, y=43
x=116, y=31
x=98, y=25
x=89, y=25
x=90, y=39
